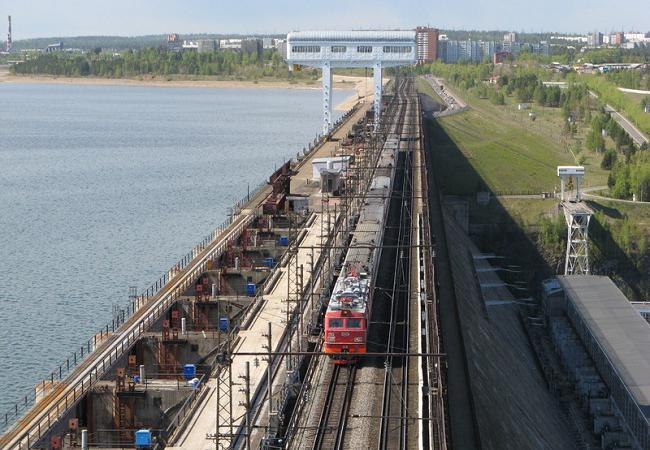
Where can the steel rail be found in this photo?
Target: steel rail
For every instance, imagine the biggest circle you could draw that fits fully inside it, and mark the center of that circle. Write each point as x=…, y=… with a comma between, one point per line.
x=398, y=300
x=335, y=409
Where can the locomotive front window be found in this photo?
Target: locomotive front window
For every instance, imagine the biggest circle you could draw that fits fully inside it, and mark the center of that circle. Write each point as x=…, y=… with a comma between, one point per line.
x=336, y=323
x=354, y=323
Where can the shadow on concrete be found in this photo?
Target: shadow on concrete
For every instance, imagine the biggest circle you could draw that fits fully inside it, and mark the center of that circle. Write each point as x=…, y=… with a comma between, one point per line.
x=491, y=368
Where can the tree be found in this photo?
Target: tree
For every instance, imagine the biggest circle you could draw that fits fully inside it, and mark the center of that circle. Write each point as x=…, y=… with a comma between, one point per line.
x=595, y=141
x=540, y=95
x=642, y=182
x=609, y=159
x=619, y=181
x=621, y=188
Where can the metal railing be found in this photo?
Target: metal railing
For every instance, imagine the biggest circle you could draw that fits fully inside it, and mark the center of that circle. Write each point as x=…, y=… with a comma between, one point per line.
x=77, y=388
x=49, y=387
x=124, y=314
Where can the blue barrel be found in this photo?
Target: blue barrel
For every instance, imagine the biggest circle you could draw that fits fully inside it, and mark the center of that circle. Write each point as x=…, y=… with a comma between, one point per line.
x=268, y=262
x=284, y=240
x=250, y=289
x=143, y=439
x=189, y=371
x=224, y=323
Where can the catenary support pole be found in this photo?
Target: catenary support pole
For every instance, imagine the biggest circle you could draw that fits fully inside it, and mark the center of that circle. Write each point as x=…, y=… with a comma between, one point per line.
x=327, y=97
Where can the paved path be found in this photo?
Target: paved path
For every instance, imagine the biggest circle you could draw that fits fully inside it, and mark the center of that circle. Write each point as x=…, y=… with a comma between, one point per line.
x=616, y=200
x=586, y=194
x=634, y=91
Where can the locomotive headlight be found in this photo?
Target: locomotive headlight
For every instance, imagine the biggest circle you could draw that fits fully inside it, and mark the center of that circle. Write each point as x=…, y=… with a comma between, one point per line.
x=358, y=339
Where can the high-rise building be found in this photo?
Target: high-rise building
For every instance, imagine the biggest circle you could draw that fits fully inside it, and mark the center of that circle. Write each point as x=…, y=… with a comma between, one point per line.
x=489, y=48
x=451, y=51
x=634, y=36
x=617, y=38
x=174, y=42
x=595, y=39
x=207, y=45
x=267, y=43
x=510, y=37
x=252, y=45
x=512, y=47
x=470, y=51
x=427, y=44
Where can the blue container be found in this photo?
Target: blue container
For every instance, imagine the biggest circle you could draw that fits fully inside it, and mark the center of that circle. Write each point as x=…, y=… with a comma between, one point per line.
x=143, y=439
x=268, y=262
x=189, y=371
x=224, y=323
x=284, y=240
x=250, y=289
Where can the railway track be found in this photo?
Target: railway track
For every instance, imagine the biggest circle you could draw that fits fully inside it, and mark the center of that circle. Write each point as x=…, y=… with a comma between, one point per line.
x=394, y=429
x=334, y=416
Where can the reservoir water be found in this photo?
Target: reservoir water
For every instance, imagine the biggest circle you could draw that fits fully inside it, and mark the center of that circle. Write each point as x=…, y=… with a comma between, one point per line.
x=105, y=187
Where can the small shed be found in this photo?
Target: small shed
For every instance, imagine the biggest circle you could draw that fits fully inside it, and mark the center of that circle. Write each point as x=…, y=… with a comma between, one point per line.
x=336, y=163
x=331, y=181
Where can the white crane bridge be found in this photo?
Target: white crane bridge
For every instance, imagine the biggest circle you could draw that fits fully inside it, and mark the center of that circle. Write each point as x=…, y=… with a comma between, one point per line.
x=331, y=49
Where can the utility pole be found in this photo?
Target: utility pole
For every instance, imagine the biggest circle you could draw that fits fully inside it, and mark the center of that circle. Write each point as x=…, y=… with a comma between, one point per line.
x=9, y=37
x=269, y=377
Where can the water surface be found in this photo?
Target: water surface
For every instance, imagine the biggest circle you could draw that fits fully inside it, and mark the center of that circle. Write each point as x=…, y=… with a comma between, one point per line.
x=104, y=187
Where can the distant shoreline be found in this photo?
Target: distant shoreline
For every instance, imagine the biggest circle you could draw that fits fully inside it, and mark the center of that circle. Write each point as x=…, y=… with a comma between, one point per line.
x=361, y=85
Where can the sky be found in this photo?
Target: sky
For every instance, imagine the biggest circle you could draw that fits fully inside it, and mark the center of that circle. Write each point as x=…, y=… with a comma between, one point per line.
x=49, y=18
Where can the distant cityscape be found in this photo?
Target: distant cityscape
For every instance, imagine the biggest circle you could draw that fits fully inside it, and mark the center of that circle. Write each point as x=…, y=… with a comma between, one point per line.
x=432, y=45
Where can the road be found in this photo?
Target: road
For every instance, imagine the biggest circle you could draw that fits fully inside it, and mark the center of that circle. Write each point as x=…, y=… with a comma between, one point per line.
x=454, y=102
x=636, y=135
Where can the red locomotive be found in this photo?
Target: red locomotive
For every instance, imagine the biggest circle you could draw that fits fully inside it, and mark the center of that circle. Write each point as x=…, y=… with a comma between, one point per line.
x=346, y=318
x=348, y=312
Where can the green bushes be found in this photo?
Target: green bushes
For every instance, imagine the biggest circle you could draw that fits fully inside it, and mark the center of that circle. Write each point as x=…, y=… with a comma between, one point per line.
x=161, y=62
x=632, y=79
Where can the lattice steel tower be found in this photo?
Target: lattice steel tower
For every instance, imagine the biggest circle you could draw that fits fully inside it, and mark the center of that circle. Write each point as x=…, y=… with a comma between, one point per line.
x=578, y=216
